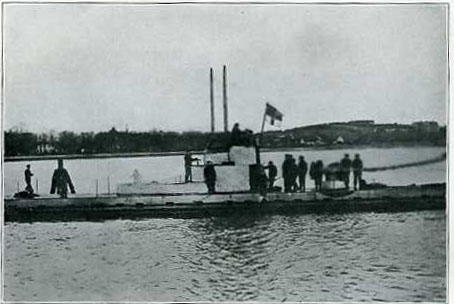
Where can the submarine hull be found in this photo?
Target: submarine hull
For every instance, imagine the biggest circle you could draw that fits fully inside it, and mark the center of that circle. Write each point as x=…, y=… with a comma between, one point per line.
x=389, y=199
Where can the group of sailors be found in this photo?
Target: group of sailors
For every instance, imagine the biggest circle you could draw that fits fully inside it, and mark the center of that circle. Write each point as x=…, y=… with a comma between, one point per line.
x=291, y=172
x=294, y=175
x=60, y=182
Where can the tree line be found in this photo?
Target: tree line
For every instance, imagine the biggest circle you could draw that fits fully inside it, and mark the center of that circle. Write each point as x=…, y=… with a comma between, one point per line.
x=22, y=143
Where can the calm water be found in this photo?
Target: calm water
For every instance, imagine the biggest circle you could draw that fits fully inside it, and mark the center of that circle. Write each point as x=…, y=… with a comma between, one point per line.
x=168, y=169
x=327, y=257
x=330, y=257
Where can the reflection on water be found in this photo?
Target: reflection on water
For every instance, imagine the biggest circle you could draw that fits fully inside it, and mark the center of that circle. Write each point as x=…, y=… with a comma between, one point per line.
x=236, y=252
x=324, y=257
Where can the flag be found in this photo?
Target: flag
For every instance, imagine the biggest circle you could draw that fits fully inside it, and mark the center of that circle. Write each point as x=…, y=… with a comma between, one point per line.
x=273, y=113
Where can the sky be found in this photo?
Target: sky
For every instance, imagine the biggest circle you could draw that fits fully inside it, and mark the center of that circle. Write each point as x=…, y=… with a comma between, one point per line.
x=82, y=67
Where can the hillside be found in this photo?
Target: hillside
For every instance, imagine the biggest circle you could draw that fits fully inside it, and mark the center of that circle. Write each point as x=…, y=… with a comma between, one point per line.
x=357, y=133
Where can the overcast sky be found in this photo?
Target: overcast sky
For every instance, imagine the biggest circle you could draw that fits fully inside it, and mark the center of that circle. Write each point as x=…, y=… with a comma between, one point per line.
x=92, y=67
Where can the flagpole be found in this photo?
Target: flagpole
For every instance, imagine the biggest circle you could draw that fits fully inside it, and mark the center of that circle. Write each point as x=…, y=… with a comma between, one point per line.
x=259, y=141
x=263, y=126
x=212, y=99
x=224, y=98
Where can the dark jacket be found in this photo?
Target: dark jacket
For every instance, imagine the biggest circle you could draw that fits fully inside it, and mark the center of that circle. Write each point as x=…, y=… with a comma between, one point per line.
x=302, y=168
x=235, y=136
x=357, y=164
x=318, y=170
x=293, y=170
x=345, y=164
x=312, y=171
x=60, y=180
x=272, y=171
x=28, y=176
x=286, y=168
x=209, y=173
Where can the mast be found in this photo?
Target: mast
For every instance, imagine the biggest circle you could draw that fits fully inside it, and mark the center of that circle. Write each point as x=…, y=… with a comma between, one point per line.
x=224, y=95
x=212, y=100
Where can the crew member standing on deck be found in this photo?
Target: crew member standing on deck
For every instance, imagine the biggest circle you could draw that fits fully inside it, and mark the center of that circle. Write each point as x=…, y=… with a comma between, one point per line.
x=209, y=173
x=357, y=166
x=272, y=173
x=302, y=171
x=345, y=167
x=28, y=180
x=61, y=180
x=318, y=174
x=188, y=159
x=286, y=174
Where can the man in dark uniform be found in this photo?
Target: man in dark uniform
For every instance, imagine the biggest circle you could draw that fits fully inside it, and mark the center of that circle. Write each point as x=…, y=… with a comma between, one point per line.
x=61, y=180
x=235, y=136
x=28, y=180
x=272, y=173
x=318, y=175
x=345, y=167
x=209, y=173
x=286, y=172
x=357, y=166
x=302, y=171
x=188, y=159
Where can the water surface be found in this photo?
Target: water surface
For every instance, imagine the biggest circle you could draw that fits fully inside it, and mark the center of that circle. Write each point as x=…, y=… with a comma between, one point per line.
x=324, y=257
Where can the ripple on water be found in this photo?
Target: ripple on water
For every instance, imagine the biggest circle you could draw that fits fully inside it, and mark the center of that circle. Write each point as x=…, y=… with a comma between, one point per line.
x=324, y=257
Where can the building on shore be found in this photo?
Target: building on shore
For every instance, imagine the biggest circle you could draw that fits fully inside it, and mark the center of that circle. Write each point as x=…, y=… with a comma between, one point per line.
x=361, y=122
x=426, y=126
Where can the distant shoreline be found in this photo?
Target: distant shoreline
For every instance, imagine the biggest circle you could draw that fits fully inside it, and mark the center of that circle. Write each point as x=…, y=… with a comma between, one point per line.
x=353, y=146
x=23, y=146
x=180, y=153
